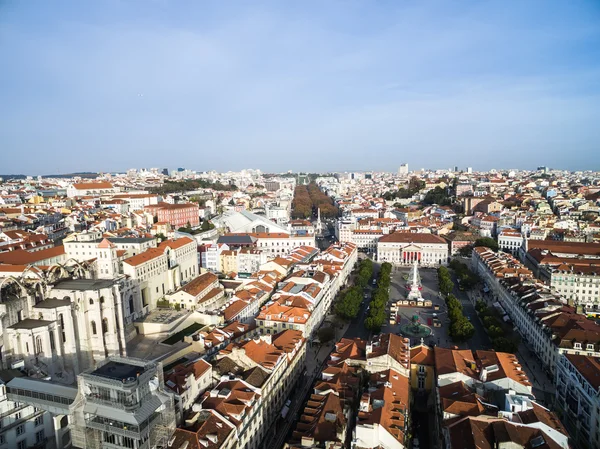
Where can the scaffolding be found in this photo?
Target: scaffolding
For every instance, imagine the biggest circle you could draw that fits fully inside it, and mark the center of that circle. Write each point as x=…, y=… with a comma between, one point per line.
x=112, y=409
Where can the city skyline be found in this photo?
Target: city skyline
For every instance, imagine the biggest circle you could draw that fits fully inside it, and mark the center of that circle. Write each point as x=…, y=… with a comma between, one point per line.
x=313, y=87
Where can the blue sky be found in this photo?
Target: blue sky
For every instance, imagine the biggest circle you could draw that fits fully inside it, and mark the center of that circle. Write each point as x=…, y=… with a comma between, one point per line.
x=324, y=85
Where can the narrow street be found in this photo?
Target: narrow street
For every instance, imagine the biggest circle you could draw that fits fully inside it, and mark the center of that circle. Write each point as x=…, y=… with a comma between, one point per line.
x=480, y=339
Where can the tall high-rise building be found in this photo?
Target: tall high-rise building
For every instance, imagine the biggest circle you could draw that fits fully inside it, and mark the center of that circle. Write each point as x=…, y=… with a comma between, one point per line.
x=403, y=170
x=469, y=170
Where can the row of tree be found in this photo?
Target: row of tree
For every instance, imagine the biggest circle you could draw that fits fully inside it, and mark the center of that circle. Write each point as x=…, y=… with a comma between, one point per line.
x=487, y=242
x=191, y=184
x=377, y=315
x=365, y=273
x=348, y=304
x=466, y=278
x=445, y=281
x=461, y=328
x=495, y=329
x=205, y=226
x=307, y=199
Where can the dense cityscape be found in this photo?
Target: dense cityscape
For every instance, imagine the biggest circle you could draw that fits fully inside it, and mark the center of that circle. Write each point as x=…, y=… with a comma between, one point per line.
x=341, y=224
x=443, y=309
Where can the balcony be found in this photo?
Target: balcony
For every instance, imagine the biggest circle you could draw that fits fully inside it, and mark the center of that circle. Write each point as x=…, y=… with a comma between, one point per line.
x=114, y=427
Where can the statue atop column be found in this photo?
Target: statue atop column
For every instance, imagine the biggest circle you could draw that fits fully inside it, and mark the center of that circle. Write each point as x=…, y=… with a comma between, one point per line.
x=415, y=284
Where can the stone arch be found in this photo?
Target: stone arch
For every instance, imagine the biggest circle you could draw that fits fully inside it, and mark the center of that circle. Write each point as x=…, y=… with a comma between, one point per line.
x=12, y=279
x=57, y=268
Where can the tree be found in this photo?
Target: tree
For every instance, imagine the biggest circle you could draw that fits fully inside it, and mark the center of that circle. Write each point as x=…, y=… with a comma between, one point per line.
x=495, y=331
x=465, y=251
x=503, y=344
x=348, y=305
x=488, y=242
x=462, y=329
x=326, y=334
x=437, y=196
x=207, y=226
x=446, y=285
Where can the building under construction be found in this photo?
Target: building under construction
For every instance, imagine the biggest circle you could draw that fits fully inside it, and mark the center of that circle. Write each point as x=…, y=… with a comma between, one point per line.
x=121, y=403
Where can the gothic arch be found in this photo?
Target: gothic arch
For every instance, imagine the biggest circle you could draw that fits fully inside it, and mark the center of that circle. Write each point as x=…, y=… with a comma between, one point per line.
x=12, y=279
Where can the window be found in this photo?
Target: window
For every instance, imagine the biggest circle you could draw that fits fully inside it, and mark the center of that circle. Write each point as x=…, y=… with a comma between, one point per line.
x=20, y=429
x=104, y=325
x=39, y=421
x=52, y=345
x=94, y=332
x=38, y=345
x=40, y=436
x=2, y=439
x=22, y=444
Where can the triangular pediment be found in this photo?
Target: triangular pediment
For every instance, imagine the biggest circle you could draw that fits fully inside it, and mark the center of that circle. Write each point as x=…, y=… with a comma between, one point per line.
x=412, y=247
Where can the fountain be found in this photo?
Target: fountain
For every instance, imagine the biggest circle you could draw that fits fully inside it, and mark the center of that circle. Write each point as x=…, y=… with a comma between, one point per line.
x=415, y=329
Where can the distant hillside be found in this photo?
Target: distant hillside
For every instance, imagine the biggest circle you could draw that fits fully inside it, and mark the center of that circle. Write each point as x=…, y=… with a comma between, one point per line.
x=86, y=174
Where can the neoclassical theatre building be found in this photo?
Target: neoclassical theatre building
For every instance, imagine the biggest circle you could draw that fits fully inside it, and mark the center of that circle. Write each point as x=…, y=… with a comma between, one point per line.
x=405, y=248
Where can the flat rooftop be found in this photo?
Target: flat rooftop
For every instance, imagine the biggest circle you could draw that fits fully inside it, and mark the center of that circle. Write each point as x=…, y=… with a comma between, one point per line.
x=164, y=316
x=84, y=284
x=118, y=371
x=127, y=240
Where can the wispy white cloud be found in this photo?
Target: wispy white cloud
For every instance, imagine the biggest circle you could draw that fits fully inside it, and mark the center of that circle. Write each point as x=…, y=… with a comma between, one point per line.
x=315, y=87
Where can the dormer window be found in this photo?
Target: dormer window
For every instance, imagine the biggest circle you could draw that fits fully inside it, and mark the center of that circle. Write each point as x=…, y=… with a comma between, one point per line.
x=590, y=347
x=577, y=345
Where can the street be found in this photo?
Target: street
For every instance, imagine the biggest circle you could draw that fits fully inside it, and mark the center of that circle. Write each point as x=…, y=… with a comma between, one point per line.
x=480, y=339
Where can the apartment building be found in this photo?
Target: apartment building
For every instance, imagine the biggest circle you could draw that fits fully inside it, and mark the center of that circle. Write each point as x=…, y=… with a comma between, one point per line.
x=579, y=284
x=137, y=201
x=280, y=244
x=188, y=381
x=487, y=388
x=177, y=215
x=547, y=325
x=256, y=378
x=205, y=429
x=578, y=397
x=162, y=270
x=344, y=227
x=203, y=293
x=300, y=303
x=366, y=238
x=326, y=416
x=510, y=241
x=210, y=256
x=458, y=240
x=383, y=412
